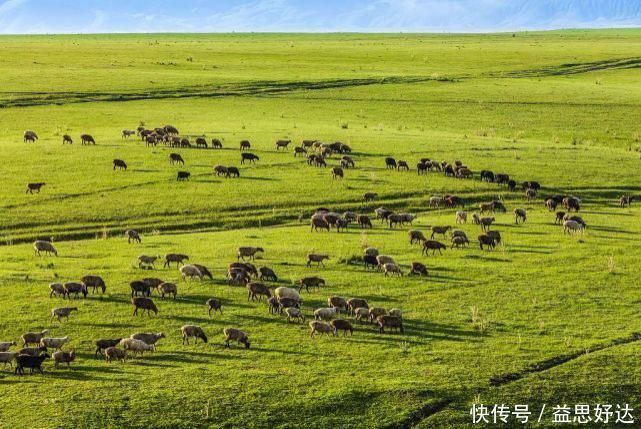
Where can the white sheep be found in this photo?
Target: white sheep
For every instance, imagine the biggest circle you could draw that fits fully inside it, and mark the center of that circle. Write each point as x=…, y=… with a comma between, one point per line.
x=287, y=292
x=44, y=246
x=384, y=259
x=361, y=313
x=190, y=271
x=54, y=343
x=461, y=216
x=325, y=313
x=136, y=346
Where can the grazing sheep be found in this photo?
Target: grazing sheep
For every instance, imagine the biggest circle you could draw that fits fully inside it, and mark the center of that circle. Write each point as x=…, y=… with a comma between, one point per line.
x=361, y=314
x=294, y=313
x=342, y=325
x=442, y=230
x=44, y=246
x=461, y=217
x=551, y=204
x=486, y=240
x=396, y=312
x=310, y=282
x=299, y=151
x=233, y=334
x=245, y=145
x=459, y=241
x=287, y=293
x=530, y=194
x=132, y=235
x=274, y=305
x=384, y=259
x=318, y=258
x=285, y=303
x=418, y=269
x=57, y=289
x=402, y=165
x=54, y=343
x=148, y=338
x=204, y=271
x=94, y=282
x=392, y=269
x=559, y=218
x=34, y=187
x=572, y=204
x=175, y=158
x=494, y=235
x=572, y=226
x=369, y=196
x=33, y=337
x=267, y=274
x=190, y=271
x=436, y=202
x=120, y=164
x=7, y=358
x=5, y=346
x=144, y=303
x=337, y=302
x=214, y=304
x=354, y=303
x=382, y=213
x=248, y=252
x=34, y=363
x=140, y=286
x=282, y=144
x=370, y=261
x=136, y=346
x=416, y=236
x=432, y=245
x=233, y=171
x=390, y=163
x=104, y=344
x=392, y=322
x=575, y=218
x=183, y=175
x=394, y=219
x=458, y=233
x=318, y=221
x=216, y=144
x=626, y=200
x=67, y=139
x=178, y=258
x=364, y=221
x=63, y=357
x=30, y=136
x=519, y=215
x=146, y=262
x=256, y=290
x=325, y=313
x=320, y=327
x=337, y=173
x=249, y=157
x=347, y=162
x=221, y=170
x=167, y=289
x=486, y=222
x=62, y=312
x=375, y=312
x=201, y=142
x=75, y=288
x=87, y=139
x=113, y=352
x=193, y=331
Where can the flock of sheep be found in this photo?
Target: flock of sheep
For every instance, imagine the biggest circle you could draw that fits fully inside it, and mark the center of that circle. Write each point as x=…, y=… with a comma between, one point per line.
x=283, y=300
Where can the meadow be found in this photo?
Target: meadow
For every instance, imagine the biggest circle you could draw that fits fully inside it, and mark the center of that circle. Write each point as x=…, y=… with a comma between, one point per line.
x=545, y=318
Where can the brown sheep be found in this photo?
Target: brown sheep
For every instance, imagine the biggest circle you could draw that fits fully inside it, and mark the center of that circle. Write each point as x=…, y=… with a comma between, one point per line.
x=175, y=158
x=132, y=235
x=248, y=252
x=167, y=289
x=402, y=165
x=486, y=222
x=432, y=245
x=245, y=145
x=559, y=218
x=34, y=187
x=486, y=240
x=178, y=258
x=215, y=305
x=282, y=144
x=318, y=258
x=310, y=282
x=364, y=221
x=519, y=215
x=416, y=236
x=530, y=194
x=442, y=230
x=201, y=142
x=626, y=200
x=354, y=303
x=112, y=353
x=256, y=290
x=459, y=241
x=30, y=136
x=342, y=325
x=337, y=173
x=299, y=151
x=392, y=322
x=144, y=303
x=337, y=302
x=320, y=327
x=418, y=269
x=120, y=164
x=392, y=269
x=233, y=334
x=216, y=144
x=67, y=139
x=87, y=139
x=375, y=312
x=221, y=170
x=369, y=196
x=94, y=282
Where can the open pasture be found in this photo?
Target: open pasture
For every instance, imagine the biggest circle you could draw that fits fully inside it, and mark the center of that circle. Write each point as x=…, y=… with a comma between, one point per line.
x=527, y=322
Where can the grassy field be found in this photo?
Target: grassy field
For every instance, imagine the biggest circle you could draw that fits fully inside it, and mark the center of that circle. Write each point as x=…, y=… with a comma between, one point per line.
x=545, y=318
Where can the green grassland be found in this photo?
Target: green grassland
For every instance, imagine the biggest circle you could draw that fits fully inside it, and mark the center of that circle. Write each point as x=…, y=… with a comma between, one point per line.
x=547, y=309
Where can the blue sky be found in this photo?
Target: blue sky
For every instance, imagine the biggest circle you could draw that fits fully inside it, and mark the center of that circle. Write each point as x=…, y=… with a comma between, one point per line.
x=93, y=16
